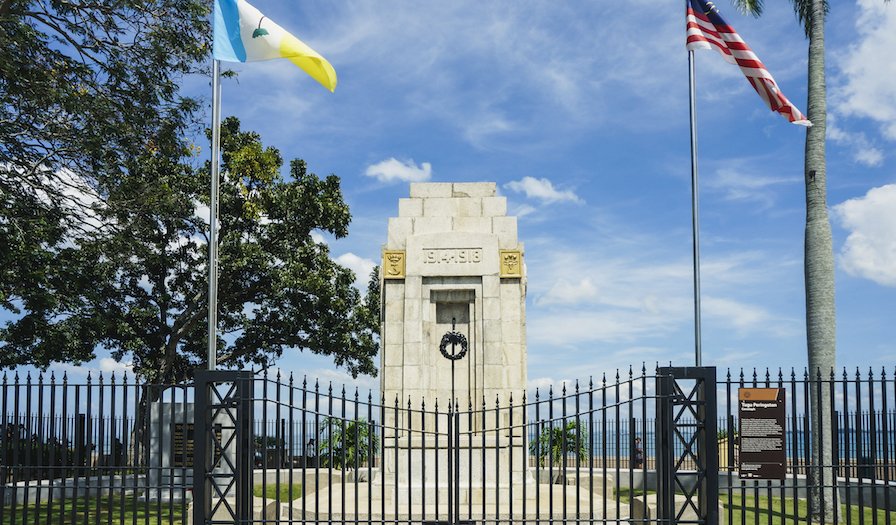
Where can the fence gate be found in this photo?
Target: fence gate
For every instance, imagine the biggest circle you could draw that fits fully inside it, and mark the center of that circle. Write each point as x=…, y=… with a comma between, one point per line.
x=686, y=433
x=276, y=451
x=222, y=475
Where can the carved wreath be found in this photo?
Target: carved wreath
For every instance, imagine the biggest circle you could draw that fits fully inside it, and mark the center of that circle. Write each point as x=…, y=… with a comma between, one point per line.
x=453, y=338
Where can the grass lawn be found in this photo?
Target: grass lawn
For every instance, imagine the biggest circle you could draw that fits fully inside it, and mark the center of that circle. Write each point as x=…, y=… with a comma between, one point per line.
x=778, y=511
x=94, y=511
x=102, y=511
x=270, y=491
x=625, y=494
x=750, y=511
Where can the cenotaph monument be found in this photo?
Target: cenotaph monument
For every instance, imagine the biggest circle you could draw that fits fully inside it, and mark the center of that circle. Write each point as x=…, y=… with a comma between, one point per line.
x=452, y=270
x=453, y=263
x=452, y=256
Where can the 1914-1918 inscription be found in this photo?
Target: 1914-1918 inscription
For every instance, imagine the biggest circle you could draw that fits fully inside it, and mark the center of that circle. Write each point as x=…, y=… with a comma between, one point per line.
x=762, y=442
x=452, y=255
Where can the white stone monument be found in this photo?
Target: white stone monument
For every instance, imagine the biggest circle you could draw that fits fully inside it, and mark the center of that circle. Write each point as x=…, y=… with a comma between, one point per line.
x=453, y=254
x=453, y=262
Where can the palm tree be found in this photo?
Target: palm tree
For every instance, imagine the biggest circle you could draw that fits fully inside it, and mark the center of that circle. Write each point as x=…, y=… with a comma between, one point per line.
x=819, y=253
x=345, y=444
x=560, y=442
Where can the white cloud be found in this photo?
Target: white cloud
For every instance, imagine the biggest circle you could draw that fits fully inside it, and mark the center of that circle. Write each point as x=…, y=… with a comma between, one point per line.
x=598, y=326
x=361, y=266
x=737, y=314
x=318, y=237
x=622, y=298
x=566, y=292
x=870, y=248
x=870, y=156
x=522, y=210
x=738, y=185
x=541, y=189
x=109, y=365
x=202, y=211
x=481, y=61
x=863, y=151
x=392, y=170
x=870, y=84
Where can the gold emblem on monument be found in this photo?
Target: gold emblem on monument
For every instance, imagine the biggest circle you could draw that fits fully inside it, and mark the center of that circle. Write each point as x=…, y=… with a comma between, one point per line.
x=511, y=263
x=393, y=264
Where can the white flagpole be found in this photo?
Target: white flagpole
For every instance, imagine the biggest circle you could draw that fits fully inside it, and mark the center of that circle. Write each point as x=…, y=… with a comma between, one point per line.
x=695, y=216
x=213, y=220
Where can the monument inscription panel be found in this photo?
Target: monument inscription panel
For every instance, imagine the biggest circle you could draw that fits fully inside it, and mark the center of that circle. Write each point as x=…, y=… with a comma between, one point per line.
x=452, y=255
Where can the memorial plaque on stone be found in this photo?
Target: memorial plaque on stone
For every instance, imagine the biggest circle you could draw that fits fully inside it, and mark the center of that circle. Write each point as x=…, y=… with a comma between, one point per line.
x=182, y=445
x=763, y=453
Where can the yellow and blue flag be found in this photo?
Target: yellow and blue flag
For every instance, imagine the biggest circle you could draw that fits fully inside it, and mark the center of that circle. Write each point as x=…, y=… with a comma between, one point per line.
x=243, y=34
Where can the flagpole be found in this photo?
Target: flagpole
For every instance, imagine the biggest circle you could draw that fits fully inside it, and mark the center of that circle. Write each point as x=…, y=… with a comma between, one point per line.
x=695, y=216
x=213, y=220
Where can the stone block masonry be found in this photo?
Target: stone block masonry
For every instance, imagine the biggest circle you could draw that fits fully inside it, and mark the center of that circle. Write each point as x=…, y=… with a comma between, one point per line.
x=453, y=236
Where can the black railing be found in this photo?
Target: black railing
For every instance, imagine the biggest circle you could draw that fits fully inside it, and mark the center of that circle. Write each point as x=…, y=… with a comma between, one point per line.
x=69, y=451
x=107, y=450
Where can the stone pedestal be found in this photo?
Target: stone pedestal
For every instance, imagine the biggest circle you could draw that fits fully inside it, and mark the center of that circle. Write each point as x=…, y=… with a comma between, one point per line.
x=170, y=449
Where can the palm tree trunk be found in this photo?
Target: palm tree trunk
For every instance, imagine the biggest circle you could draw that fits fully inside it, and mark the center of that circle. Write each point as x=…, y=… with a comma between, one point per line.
x=819, y=275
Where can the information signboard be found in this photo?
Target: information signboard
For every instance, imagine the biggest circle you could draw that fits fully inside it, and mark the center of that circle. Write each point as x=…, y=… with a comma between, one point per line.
x=762, y=443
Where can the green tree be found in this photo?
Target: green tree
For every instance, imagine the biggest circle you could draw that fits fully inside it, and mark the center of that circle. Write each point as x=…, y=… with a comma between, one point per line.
x=560, y=442
x=85, y=89
x=140, y=288
x=84, y=85
x=819, y=253
x=345, y=444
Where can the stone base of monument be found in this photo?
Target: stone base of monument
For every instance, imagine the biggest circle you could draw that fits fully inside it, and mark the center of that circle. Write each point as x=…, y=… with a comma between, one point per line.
x=429, y=503
x=363, y=500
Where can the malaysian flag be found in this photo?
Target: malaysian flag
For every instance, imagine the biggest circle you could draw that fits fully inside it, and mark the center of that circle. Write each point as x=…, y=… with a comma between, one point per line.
x=707, y=30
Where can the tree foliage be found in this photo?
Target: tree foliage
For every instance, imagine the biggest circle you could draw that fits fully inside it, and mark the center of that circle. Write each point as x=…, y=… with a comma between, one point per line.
x=140, y=289
x=85, y=85
x=85, y=90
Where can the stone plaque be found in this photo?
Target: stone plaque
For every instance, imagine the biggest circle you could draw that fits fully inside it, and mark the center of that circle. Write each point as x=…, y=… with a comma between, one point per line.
x=452, y=254
x=511, y=263
x=762, y=443
x=393, y=264
x=182, y=445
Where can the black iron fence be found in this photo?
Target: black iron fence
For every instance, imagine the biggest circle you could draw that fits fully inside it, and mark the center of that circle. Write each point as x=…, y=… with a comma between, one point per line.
x=110, y=450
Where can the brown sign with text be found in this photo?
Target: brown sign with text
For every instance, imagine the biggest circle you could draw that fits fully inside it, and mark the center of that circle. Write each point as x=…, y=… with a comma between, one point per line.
x=762, y=442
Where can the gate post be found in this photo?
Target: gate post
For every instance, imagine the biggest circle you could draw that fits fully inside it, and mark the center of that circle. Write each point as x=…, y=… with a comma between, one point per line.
x=222, y=441
x=686, y=431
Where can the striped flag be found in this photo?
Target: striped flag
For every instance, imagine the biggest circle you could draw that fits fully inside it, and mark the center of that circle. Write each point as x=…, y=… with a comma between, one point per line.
x=243, y=34
x=707, y=30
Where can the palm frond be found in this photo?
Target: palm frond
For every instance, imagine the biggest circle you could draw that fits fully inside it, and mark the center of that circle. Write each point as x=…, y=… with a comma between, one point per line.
x=803, y=10
x=749, y=7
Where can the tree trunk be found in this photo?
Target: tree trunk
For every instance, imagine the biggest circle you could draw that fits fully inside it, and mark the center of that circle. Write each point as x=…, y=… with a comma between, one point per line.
x=819, y=275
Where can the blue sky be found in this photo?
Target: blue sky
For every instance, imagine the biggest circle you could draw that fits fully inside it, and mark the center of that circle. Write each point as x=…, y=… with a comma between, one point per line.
x=579, y=111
